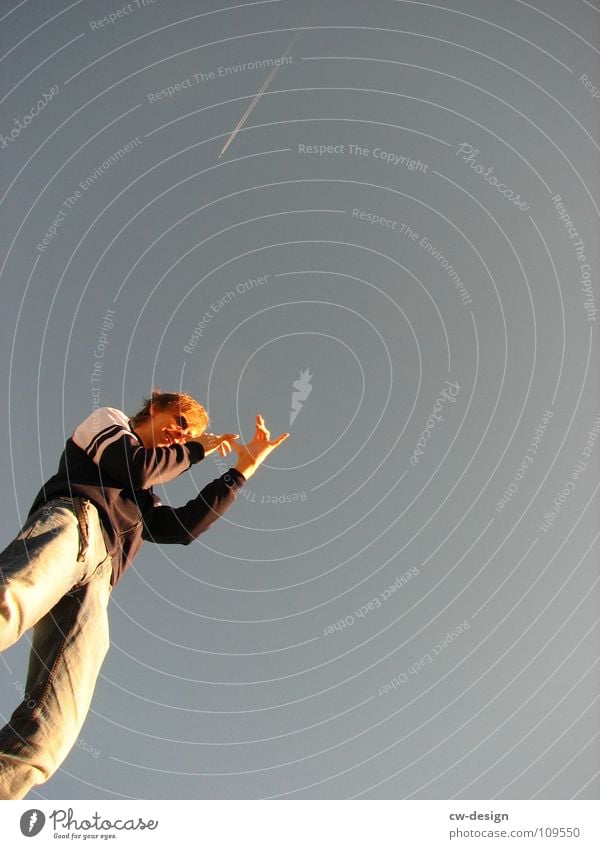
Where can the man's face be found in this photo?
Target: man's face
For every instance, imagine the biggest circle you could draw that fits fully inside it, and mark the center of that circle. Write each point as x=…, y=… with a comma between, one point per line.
x=167, y=427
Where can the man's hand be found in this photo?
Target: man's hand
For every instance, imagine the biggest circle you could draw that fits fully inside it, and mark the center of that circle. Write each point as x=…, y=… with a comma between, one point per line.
x=255, y=452
x=214, y=442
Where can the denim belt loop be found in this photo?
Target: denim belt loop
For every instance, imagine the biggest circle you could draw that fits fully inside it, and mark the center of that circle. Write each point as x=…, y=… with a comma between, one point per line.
x=79, y=507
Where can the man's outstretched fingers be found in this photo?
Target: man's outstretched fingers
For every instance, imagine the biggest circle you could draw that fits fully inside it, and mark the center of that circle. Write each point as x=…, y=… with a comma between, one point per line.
x=224, y=446
x=261, y=429
x=217, y=442
x=229, y=437
x=254, y=453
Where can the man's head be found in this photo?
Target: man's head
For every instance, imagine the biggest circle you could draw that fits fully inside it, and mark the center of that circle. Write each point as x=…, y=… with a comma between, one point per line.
x=169, y=417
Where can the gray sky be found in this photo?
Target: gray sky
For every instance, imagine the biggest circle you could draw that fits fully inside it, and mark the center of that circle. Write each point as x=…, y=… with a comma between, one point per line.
x=403, y=603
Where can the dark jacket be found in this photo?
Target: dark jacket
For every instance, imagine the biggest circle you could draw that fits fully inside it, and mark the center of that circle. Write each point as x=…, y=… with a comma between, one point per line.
x=105, y=461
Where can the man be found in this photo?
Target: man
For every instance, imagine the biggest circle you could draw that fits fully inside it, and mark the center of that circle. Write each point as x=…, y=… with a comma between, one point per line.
x=84, y=529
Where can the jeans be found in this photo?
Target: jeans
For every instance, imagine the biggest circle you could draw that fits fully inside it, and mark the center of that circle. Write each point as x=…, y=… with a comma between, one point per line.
x=54, y=577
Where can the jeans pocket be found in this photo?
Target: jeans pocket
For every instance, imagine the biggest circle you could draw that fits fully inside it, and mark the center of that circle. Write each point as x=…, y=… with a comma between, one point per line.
x=31, y=527
x=46, y=518
x=104, y=566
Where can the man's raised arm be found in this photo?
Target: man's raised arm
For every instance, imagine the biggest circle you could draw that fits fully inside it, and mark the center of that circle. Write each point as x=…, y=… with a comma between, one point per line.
x=183, y=524
x=106, y=438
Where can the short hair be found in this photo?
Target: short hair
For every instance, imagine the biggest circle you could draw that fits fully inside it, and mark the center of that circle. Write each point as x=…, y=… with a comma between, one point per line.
x=180, y=403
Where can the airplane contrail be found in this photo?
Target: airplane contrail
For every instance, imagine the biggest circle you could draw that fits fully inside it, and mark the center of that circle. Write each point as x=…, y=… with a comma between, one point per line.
x=264, y=86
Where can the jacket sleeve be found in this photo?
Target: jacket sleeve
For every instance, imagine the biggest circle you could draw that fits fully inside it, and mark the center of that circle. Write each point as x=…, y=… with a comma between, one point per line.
x=183, y=524
x=107, y=439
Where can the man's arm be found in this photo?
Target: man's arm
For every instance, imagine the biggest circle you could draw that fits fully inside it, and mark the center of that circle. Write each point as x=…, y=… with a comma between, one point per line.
x=183, y=524
x=106, y=438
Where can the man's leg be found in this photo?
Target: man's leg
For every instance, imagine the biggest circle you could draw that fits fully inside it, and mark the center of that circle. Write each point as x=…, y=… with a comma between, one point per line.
x=43, y=582
x=68, y=647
